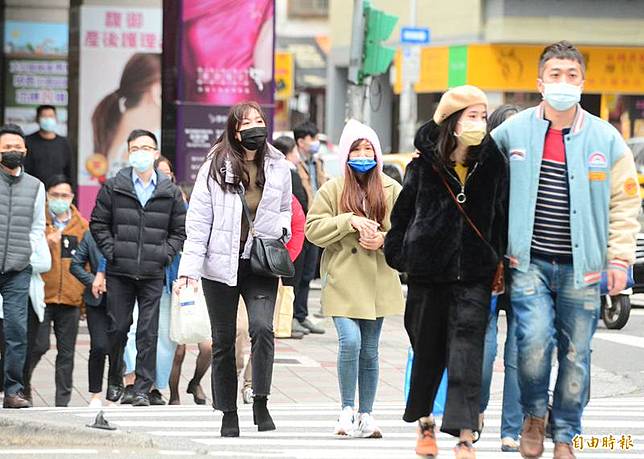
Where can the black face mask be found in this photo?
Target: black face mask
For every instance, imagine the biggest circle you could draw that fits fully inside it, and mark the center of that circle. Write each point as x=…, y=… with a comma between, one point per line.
x=12, y=159
x=253, y=138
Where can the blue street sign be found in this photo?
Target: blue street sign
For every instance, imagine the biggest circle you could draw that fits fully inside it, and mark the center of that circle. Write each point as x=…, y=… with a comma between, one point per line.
x=415, y=35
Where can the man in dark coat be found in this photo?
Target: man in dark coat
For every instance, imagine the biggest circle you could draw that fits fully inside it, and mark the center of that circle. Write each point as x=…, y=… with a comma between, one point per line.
x=138, y=223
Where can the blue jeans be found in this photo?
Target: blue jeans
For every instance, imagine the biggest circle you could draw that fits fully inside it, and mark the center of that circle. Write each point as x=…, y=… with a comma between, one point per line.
x=550, y=310
x=14, y=288
x=358, y=360
x=165, y=347
x=511, y=415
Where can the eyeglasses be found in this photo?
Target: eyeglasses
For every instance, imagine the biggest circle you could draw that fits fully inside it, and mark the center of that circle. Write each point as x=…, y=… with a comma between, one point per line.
x=60, y=195
x=145, y=148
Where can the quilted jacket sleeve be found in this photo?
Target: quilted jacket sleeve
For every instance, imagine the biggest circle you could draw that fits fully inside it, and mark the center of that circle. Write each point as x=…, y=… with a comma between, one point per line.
x=101, y=222
x=199, y=222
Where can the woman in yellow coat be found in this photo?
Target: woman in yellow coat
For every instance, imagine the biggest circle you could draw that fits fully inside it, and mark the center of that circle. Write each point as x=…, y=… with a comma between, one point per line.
x=349, y=218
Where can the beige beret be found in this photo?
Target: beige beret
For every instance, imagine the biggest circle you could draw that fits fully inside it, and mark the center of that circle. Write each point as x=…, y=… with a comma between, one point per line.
x=457, y=99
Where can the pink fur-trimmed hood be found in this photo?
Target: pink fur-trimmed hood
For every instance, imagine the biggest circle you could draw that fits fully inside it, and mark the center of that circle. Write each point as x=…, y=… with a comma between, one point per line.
x=353, y=131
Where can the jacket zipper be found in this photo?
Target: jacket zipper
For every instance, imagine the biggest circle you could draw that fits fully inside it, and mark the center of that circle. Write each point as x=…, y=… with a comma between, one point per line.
x=140, y=245
x=462, y=185
x=6, y=242
x=142, y=214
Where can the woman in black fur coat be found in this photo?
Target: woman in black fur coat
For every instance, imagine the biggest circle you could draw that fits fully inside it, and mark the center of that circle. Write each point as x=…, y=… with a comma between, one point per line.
x=450, y=267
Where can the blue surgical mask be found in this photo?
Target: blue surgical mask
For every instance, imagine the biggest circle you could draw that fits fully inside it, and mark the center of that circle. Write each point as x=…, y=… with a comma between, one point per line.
x=58, y=206
x=314, y=147
x=561, y=96
x=141, y=161
x=362, y=165
x=47, y=124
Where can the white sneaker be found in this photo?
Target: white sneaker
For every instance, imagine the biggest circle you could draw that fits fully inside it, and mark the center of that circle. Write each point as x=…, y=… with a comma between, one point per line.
x=345, y=422
x=247, y=395
x=366, y=427
x=96, y=403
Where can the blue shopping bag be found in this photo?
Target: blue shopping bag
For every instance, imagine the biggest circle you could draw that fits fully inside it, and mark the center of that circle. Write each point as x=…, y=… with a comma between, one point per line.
x=441, y=395
x=493, y=303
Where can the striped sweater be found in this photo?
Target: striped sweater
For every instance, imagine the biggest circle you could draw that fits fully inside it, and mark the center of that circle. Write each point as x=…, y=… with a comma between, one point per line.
x=551, y=233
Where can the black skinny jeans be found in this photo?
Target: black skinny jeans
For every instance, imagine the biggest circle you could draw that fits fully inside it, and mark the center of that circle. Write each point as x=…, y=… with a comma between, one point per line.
x=446, y=325
x=259, y=294
x=98, y=325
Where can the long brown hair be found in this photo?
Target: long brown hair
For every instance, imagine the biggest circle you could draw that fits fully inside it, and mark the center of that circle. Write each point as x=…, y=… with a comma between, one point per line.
x=140, y=72
x=363, y=194
x=228, y=147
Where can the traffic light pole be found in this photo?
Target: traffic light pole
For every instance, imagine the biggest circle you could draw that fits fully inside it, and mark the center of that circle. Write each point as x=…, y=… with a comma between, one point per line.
x=356, y=90
x=408, y=101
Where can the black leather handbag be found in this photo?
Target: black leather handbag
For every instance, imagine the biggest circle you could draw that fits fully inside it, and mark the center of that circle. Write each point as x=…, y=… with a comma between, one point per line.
x=268, y=257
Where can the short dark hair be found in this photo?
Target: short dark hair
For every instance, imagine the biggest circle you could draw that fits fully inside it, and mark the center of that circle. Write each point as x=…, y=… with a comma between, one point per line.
x=561, y=50
x=42, y=108
x=502, y=113
x=12, y=129
x=57, y=180
x=302, y=130
x=135, y=134
x=285, y=144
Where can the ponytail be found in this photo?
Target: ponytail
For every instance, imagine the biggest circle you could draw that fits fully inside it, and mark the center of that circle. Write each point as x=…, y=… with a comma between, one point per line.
x=105, y=120
x=141, y=71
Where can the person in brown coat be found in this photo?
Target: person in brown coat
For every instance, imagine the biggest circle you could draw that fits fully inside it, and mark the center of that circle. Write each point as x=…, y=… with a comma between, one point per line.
x=63, y=292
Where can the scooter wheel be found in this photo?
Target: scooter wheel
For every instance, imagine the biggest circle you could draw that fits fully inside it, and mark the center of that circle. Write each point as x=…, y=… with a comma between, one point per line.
x=615, y=311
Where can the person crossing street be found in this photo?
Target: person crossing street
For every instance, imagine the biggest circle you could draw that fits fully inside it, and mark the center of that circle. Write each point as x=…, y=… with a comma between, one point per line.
x=138, y=224
x=574, y=203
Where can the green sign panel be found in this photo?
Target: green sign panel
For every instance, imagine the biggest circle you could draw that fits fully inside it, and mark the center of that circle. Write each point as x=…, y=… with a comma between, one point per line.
x=457, y=69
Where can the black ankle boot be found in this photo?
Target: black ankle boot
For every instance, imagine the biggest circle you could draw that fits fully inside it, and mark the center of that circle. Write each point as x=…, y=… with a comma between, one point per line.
x=230, y=424
x=261, y=416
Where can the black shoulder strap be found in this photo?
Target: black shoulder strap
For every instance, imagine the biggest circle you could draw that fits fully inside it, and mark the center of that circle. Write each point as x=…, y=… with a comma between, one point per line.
x=251, y=226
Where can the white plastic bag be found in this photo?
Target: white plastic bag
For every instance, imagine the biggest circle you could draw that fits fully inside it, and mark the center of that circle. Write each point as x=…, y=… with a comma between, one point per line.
x=189, y=320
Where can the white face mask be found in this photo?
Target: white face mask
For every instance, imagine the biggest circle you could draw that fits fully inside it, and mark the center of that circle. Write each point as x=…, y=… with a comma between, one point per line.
x=561, y=96
x=473, y=132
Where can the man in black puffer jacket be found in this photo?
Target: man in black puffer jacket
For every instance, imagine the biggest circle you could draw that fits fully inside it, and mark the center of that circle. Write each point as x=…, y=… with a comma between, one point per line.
x=138, y=223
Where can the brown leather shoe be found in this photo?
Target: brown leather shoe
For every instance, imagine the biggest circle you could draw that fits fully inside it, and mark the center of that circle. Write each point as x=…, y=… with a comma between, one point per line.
x=426, y=441
x=534, y=429
x=15, y=401
x=26, y=394
x=564, y=451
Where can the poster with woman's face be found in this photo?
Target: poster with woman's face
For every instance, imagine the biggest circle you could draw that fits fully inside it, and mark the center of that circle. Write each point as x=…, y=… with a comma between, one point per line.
x=120, y=89
x=227, y=52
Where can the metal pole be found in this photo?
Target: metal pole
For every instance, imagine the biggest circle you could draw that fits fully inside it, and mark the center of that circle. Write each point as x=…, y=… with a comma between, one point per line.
x=408, y=102
x=355, y=90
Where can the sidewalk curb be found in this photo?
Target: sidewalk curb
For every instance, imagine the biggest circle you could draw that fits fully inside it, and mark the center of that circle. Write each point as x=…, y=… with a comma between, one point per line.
x=18, y=432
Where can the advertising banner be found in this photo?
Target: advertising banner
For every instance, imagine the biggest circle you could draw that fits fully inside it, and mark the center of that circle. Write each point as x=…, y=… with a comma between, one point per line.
x=120, y=89
x=36, y=72
x=227, y=49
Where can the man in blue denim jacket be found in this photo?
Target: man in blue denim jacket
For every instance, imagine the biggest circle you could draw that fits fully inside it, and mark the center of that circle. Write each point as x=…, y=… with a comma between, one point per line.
x=574, y=202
